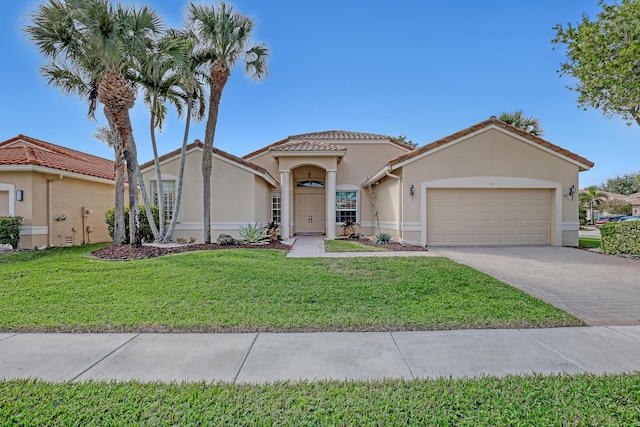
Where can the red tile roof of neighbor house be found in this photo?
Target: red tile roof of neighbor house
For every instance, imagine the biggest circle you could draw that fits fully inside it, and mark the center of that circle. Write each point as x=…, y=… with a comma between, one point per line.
x=340, y=135
x=493, y=121
x=26, y=151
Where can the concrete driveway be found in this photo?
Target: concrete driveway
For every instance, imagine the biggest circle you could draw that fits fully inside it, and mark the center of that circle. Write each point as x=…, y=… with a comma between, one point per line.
x=599, y=289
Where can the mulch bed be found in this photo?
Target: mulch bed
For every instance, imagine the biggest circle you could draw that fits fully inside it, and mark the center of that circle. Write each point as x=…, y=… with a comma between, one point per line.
x=127, y=252
x=390, y=246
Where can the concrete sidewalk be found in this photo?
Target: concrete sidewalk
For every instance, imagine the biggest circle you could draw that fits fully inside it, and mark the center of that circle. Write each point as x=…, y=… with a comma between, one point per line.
x=268, y=357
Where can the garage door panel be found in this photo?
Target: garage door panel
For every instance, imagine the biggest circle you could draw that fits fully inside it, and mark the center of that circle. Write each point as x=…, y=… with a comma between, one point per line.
x=488, y=217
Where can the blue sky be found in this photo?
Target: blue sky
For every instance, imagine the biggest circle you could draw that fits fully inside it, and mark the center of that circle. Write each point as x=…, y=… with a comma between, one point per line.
x=420, y=68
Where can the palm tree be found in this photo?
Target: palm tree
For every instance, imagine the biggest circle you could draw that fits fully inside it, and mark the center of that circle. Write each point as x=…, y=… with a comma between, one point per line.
x=224, y=37
x=593, y=198
x=159, y=81
x=528, y=124
x=110, y=138
x=90, y=38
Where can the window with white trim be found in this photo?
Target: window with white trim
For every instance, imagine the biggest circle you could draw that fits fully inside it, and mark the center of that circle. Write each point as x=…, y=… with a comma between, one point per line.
x=276, y=207
x=346, y=206
x=169, y=199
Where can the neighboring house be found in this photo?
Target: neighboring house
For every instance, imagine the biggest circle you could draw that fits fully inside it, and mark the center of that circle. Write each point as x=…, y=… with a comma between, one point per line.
x=489, y=184
x=62, y=194
x=633, y=199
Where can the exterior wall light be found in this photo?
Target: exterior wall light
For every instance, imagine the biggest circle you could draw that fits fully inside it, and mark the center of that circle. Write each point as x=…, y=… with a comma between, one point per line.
x=572, y=191
x=20, y=195
x=412, y=191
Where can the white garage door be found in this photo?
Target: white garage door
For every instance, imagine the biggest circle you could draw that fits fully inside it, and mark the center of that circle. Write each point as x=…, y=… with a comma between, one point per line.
x=459, y=217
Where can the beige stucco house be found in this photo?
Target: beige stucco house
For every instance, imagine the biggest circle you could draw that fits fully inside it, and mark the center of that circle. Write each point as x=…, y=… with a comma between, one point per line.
x=489, y=184
x=61, y=193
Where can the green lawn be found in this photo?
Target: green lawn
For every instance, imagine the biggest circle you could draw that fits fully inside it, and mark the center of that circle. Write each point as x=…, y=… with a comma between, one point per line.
x=588, y=242
x=256, y=290
x=559, y=400
x=347, y=246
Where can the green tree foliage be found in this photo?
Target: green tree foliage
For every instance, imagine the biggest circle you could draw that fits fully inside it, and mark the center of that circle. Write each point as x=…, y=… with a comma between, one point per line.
x=626, y=184
x=518, y=119
x=403, y=139
x=602, y=55
x=616, y=207
x=10, y=230
x=592, y=198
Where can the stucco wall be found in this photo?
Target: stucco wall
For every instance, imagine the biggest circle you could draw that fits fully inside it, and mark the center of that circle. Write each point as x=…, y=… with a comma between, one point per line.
x=68, y=196
x=493, y=154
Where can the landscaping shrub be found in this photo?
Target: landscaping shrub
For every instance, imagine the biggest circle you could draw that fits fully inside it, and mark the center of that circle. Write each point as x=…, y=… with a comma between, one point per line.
x=383, y=238
x=10, y=230
x=621, y=238
x=253, y=234
x=145, y=229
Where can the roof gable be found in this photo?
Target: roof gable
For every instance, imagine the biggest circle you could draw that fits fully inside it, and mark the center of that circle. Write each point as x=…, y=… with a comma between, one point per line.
x=31, y=152
x=493, y=122
x=329, y=135
x=230, y=158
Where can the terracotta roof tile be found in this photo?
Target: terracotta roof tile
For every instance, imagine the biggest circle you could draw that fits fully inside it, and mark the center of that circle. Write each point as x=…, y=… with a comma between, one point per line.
x=337, y=135
x=35, y=152
x=493, y=121
x=308, y=146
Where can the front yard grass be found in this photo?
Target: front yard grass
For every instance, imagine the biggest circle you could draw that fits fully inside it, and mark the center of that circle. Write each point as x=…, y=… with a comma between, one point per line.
x=347, y=246
x=588, y=242
x=581, y=400
x=247, y=290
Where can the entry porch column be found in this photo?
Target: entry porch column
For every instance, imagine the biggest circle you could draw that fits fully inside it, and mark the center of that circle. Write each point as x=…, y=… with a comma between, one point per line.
x=286, y=204
x=331, y=204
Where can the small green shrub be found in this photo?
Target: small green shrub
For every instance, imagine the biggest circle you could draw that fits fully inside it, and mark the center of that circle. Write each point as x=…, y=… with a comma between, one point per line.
x=620, y=238
x=253, y=234
x=145, y=228
x=10, y=230
x=383, y=239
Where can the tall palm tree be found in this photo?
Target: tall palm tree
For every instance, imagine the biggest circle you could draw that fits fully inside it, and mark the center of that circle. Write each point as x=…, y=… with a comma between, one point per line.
x=593, y=198
x=224, y=37
x=96, y=40
x=528, y=124
x=110, y=138
x=159, y=81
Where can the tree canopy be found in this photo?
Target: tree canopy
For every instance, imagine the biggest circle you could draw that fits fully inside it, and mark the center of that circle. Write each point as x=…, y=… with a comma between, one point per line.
x=602, y=55
x=518, y=119
x=403, y=139
x=626, y=184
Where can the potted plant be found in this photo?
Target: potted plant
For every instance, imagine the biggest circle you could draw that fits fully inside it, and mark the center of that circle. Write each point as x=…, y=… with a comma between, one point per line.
x=348, y=227
x=272, y=229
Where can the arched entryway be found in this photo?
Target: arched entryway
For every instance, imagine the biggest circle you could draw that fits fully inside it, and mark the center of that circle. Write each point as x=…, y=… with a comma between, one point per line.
x=309, y=200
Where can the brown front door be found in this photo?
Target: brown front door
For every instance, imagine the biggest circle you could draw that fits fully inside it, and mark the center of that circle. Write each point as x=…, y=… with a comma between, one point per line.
x=310, y=215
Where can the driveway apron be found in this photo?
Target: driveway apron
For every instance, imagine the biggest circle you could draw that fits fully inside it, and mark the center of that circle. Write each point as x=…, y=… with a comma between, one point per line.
x=599, y=289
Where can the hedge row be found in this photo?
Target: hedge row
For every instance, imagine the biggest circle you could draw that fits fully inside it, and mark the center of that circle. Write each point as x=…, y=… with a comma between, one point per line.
x=620, y=238
x=10, y=230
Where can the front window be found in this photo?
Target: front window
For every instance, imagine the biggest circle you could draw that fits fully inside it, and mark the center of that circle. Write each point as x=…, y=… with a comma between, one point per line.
x=310, y=183
x=169, y=199
x=276, y=207
x=346, y=206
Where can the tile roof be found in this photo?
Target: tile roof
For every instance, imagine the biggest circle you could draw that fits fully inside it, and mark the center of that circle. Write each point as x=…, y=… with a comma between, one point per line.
x=308, y=146
x=26, y=151
x=493, y=121
x=336, y=135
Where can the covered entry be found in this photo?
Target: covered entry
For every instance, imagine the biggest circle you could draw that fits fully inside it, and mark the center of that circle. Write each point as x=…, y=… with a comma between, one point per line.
x=486, y=216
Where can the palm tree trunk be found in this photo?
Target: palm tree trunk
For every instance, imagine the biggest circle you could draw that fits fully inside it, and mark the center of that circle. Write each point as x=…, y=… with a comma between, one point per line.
x=147, y=207
x=219, y=75
x=159, y=237
x=183, y=155
x=119, y=228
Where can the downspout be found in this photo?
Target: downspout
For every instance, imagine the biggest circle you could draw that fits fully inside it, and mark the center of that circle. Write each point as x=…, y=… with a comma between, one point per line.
x=49, y=181
x=390, y=175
